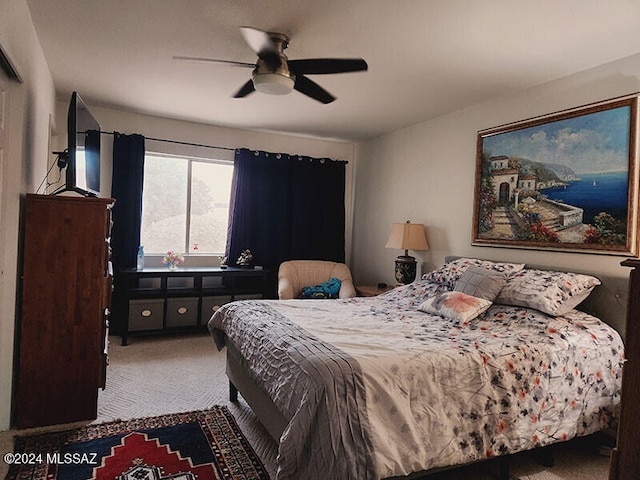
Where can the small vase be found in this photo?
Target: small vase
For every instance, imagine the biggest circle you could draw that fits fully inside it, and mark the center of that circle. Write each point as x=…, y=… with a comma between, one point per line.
x=173, y=266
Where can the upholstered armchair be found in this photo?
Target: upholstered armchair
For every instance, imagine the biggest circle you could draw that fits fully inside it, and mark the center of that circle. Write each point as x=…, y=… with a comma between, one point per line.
x=293, y=275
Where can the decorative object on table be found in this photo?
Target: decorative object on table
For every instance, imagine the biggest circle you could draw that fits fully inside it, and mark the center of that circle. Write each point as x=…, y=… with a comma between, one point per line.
x=202, y=443
x=407, y=236
x=223, y=261
x=172, y=259
x=140, y=258
x=564, y=181
x=245, y=258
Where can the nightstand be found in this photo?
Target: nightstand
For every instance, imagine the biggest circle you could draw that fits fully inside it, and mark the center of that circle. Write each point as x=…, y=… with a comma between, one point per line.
x=372, y=290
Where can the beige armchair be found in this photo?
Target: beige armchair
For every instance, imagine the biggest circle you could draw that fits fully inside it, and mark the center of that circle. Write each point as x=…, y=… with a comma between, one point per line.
x=295, y=274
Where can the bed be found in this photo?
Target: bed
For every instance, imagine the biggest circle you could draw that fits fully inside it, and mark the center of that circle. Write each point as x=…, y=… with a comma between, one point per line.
x=426, y=376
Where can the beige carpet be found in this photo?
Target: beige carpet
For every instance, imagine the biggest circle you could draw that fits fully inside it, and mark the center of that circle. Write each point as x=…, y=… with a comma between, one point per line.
x=157, y=375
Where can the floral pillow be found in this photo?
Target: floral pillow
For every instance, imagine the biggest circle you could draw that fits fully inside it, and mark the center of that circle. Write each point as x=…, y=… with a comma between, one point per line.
x=449, y=273
x=455, y=306
x=413, y=294
x=554, y=293
x=481, y=282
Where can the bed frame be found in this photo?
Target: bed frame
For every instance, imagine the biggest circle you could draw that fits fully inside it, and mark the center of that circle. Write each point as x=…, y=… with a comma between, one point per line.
x=607, y=301
x=260, y=403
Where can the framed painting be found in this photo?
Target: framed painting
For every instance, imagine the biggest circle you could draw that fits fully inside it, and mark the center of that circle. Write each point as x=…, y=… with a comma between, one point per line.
x=565, y=181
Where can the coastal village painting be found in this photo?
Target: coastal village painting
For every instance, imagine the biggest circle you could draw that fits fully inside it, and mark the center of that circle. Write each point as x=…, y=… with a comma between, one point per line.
x=564, y=181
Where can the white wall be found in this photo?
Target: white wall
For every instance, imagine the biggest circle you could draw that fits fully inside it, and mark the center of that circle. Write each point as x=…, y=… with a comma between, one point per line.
x=426, y=173
x=31, y=105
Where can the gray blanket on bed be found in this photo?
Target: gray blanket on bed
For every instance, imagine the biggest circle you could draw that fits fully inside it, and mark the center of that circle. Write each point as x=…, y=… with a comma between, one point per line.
x=317, y=387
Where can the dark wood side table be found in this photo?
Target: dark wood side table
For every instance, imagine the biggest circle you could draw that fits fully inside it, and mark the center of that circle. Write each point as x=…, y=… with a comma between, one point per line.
x=372, y=290
x=625, y=458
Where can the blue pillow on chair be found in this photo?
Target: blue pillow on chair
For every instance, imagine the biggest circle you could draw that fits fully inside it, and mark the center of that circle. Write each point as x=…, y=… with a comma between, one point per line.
x=328, y=289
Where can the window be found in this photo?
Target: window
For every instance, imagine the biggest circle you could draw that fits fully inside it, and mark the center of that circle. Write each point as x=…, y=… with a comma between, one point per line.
x=185, y=204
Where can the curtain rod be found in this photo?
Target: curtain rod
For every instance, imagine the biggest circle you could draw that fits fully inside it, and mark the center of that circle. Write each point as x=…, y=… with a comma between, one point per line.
x=176, y=142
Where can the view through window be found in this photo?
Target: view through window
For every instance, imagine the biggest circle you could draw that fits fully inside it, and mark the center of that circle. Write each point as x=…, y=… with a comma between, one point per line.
x=185, y=204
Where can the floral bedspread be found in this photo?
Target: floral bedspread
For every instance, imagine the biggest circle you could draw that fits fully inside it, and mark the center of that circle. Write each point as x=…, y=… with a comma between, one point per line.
x=438, y=392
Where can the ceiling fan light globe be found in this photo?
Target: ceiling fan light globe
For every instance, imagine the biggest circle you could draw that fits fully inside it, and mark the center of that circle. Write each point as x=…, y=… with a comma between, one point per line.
x=273, y=83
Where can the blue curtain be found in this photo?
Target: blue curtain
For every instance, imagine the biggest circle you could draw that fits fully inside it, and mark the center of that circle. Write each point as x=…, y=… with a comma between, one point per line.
x=286, y=207
x=126, y=188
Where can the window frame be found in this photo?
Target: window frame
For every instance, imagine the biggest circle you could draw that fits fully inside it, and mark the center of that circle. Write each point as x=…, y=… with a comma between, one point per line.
x=190, y=158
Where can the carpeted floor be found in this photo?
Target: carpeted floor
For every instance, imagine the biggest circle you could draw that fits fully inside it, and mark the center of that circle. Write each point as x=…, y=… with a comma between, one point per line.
x=157, y=375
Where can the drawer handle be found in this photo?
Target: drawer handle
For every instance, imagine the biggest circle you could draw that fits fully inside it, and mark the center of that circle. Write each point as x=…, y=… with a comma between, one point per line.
x=182, y=310
x=146, y=312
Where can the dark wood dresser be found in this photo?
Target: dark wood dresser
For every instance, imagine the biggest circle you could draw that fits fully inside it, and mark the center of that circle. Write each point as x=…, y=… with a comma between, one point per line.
x=64, y=309
x=625, y=459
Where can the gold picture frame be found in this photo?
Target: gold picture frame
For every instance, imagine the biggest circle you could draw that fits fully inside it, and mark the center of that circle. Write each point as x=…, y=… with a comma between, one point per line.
x=565, y=181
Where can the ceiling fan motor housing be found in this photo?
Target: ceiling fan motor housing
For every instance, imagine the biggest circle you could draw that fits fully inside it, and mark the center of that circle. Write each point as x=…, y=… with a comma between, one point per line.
x=273, y=77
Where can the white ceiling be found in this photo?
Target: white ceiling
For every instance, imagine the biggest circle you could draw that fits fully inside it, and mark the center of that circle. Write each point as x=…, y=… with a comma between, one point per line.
x=426, y=57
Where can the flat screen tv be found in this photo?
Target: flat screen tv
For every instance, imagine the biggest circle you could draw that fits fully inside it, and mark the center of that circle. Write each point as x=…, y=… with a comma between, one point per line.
x=82, y=157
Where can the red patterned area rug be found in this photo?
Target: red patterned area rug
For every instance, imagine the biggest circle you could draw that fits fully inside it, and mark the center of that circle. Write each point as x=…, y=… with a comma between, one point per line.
x=202, y=445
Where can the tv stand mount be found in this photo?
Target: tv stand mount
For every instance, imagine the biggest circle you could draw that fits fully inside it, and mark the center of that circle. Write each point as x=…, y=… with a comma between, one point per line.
x=62, y=162
x=63, y=158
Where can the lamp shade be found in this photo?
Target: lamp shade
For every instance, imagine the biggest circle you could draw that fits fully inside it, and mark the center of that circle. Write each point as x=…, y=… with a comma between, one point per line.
x=407, y=236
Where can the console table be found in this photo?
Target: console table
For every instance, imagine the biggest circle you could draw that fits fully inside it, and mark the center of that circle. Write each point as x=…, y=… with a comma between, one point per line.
x=160, y=300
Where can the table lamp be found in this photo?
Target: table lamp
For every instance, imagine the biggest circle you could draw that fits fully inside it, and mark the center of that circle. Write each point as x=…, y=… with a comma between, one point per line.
x=407, y=236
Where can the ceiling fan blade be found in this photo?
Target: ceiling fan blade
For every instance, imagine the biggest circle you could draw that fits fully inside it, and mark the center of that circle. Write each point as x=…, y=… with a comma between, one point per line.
x=312, y=89
x=261, y=43
x=245, y=90
x=319, y=66
x=213, y=60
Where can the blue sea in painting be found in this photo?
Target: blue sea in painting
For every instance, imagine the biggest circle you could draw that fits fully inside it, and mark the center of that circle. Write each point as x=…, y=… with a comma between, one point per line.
x=595, y=193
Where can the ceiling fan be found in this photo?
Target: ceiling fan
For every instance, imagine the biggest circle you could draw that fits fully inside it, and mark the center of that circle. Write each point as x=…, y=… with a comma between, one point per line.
x=275, y=74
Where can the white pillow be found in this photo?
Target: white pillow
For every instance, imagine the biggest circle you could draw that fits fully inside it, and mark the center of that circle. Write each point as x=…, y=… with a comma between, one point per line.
x=554, y=293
